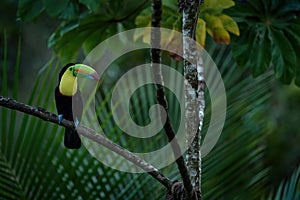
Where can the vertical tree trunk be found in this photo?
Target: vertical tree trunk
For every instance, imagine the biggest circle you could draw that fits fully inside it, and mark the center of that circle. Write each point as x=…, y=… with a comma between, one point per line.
x=194, y=90
x=186, y=188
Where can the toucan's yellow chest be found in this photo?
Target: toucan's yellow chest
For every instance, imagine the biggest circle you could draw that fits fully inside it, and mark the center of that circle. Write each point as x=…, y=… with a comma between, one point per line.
x=68, y=84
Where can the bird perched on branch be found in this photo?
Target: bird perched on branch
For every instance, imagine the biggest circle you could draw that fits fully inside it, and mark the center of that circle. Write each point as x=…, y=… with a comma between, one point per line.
x=68, y=99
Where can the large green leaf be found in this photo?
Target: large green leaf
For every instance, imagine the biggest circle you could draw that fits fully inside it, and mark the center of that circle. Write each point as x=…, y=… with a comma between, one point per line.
x=54, y=8
x=30, y=9
x=216, y=5
x=271, y=22
x=89, y=30
x=91, y=4
x=284, y=57
x=290, y=34
x=260, y=55
x=67, y=40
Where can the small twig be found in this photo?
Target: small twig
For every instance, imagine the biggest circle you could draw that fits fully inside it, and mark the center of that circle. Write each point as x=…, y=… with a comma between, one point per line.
x=155, y=62
x=89, y=133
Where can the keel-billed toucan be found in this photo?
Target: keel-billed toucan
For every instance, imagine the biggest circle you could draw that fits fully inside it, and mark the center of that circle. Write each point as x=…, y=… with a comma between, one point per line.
x=68, y=99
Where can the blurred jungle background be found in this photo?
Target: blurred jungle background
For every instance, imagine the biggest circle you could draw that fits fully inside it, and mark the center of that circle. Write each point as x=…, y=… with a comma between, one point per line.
x=254, y=43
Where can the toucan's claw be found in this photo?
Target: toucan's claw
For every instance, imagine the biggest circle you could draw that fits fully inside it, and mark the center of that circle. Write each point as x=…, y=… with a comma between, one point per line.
x=60, y=117
x=76, y=123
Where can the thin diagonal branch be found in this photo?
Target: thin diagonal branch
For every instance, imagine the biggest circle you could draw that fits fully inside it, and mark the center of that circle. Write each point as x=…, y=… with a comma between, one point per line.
x=87, y=132
x=155, y=62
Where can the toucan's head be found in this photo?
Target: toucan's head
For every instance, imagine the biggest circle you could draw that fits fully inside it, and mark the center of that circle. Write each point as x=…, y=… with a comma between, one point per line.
x=75, y=70
x=68, y=75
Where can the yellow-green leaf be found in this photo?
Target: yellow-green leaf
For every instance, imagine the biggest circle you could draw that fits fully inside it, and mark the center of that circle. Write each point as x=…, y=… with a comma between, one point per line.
x=147, y=35
x=229, y=24
x=201, y=32
x=209, y=31
x=217, y=5
x=212, y=21
x=143, y=18
x=221, y=36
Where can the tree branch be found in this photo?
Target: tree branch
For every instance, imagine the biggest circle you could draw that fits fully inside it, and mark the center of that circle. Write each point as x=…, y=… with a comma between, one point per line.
x=194, y=89
x=89, y=133
x=161, y=99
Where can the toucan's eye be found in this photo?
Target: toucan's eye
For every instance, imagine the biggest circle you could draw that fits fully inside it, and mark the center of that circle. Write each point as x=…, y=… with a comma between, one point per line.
x=71, y=68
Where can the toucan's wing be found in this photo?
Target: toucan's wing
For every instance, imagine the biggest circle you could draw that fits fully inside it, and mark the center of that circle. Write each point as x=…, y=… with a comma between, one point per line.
x=77, y=105
x=58, y=101
x=63, y=105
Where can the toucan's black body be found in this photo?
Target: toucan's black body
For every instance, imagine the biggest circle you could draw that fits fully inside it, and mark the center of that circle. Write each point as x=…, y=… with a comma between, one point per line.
x=64, y=105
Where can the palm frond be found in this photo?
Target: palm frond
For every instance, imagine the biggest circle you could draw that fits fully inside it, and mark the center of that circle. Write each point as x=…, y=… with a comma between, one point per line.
x=235, y=168
x=37, y=166
x=34, y=163
x=288, y=189
x=10, y=188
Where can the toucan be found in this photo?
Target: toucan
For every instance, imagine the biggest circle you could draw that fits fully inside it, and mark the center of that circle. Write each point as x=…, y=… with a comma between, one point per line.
x=68, y=99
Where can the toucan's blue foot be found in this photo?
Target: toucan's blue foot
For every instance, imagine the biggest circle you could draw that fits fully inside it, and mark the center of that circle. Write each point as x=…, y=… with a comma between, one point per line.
x=76, y=123
x=60, y=117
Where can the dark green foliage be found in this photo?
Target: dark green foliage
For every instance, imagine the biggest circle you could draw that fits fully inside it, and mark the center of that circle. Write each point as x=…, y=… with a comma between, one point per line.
x=91, y=28
x=30, y=9
x=84, y=23
x=283, y=151
x=63, y=9
x=288, y=189
x=35, y=165
x=235, y=169
x=270, y=37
